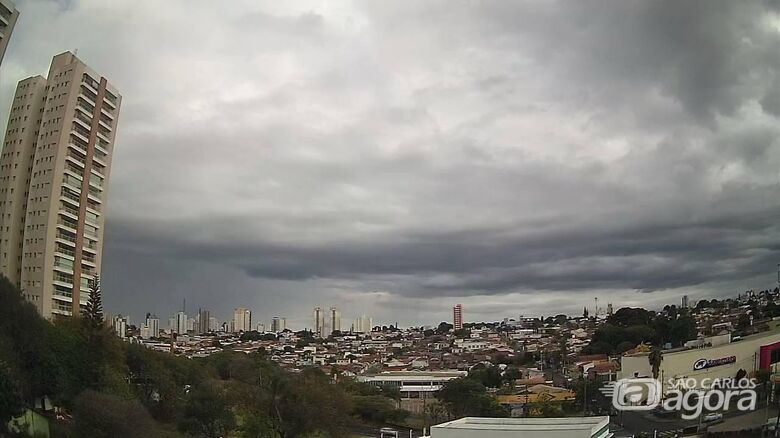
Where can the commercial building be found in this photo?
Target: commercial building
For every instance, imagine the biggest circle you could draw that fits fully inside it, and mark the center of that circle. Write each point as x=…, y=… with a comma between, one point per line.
x=716, y=358
x=54, y=172
x=457, y=317
x=562, y=427
x=242, y=320
x=413, y=384
x=335, y=320
x=8, y=16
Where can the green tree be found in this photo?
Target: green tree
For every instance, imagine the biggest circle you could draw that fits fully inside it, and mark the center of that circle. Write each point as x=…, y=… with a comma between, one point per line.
x=102, y=415
x=655, y=358
x=466, y=397
x=93, y=311
x=11, y=401
x=207, y=412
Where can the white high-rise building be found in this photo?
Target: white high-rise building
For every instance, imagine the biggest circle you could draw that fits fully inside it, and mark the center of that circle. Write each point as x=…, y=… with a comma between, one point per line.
x=182, y=323
x=242, y=320
x=260, y=327
x=120, y=326
x=154, y=326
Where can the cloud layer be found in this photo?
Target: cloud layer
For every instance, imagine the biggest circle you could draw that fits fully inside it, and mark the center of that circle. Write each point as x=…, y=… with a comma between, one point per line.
x=394, y=158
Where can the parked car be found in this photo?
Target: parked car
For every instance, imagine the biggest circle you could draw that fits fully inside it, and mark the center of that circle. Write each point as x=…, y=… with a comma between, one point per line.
x=712, y=416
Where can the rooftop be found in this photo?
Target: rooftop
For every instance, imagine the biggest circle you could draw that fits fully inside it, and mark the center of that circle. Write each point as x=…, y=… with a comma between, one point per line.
x=527, y=424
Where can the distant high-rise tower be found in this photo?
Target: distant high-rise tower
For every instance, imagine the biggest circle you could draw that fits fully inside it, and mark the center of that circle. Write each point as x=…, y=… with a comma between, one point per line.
x=275, y=325
x=335, y=320
x=54, y=172
x=684, y=302
x=609, y=309
x=204, y=321
x=180, y=327
x=242, y=320
x=363, y=324
x=319, y=321
x=8, y=16
x=457, y=317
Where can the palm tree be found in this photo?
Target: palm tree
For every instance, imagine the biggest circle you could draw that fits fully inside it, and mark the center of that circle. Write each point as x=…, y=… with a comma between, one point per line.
x=655, y=358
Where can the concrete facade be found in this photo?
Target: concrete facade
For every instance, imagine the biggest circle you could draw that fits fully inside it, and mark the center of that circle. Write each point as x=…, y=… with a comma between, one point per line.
x=8, y=17
x=721, y=361
x=54, y=172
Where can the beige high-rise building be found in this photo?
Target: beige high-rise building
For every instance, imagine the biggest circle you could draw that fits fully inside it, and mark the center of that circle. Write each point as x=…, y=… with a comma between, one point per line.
x=54, y=172
x=242, y=319
x=8, y=16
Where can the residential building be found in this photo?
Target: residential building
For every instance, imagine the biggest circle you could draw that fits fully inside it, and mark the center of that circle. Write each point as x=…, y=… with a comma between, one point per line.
x=54, y=172
x=457, y=317
x=260, y=327
x=335, y=320
x=204, y=320
x=319, y=321
x=119, y=324
x=8, y=16
x=242, y=320
x=684, y=302
x=275, y=325
x=151, y=327
x=181, y=324
x=362, y=324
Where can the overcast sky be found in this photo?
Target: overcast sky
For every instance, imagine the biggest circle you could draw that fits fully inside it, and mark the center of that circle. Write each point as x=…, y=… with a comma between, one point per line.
x=395, y=158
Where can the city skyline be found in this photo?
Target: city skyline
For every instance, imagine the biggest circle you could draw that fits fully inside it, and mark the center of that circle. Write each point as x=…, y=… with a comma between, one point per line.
x=381, y=164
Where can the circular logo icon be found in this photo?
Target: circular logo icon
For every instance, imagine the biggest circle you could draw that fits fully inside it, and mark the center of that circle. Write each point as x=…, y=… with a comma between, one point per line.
x=700, y=364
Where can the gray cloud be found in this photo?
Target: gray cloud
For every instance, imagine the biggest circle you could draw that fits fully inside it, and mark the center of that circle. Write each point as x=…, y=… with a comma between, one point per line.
x=393, y=158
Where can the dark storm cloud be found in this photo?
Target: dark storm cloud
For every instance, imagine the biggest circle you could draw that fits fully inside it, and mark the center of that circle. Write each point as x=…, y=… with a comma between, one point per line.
x=393, y=158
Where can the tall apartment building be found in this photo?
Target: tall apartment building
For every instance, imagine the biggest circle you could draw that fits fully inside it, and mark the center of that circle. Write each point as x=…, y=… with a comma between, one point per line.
x=242, y=320
x=8, y=16
x=457, y=317
x=319, y=322
x=335, y=319
x=363, y=324
x=54, y=172
x=204, y=321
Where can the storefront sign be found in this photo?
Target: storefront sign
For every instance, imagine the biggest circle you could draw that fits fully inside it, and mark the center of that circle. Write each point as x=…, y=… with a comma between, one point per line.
x=703, y=364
